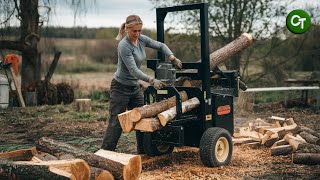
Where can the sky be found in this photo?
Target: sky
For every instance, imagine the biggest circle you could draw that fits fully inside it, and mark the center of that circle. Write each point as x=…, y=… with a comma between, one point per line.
x=111, y=13
x=105, y=13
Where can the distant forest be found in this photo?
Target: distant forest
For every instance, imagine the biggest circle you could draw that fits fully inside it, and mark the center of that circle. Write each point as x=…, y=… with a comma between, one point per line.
x=73, y=32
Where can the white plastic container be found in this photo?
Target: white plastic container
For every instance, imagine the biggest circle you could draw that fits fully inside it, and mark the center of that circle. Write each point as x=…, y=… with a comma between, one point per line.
x=4, y=91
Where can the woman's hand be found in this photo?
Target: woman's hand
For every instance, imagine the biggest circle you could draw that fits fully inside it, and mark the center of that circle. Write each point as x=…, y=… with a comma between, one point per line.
x=157, y=84
x=176, y=62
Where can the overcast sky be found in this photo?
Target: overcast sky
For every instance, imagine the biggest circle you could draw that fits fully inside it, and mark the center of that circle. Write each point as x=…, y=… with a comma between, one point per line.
x=111, y=13
x=106, y=13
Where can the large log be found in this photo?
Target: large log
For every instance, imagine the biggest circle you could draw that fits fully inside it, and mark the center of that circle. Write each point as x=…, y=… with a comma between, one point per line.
x=306, y=158
x=148, y=125
x=120, y=170
x=171, y=113
x=310, y=138
x=126, y=124
x=308, y=148
x=230, y=50
x=281, y=150
x=61, y=169
x=153, y=109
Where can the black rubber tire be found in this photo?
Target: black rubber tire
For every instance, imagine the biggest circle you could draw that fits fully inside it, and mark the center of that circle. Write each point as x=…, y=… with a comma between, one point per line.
x=216, y=147
x=152, y=149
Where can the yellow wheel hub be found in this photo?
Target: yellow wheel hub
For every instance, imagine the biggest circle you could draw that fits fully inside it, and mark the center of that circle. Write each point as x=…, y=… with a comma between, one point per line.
x=222, y=149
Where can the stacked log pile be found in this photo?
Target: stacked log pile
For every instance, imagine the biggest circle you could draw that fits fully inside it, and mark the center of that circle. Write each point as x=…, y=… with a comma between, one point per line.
x=51, y=159
x=284, y=137
x=150, y=118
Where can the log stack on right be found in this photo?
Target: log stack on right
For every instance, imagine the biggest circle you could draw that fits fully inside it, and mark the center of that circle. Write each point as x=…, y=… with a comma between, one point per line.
x=284, y=137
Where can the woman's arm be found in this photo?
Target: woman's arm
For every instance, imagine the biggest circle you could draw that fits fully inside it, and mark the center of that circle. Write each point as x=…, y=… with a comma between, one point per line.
x=128, y=60
x=156, y=45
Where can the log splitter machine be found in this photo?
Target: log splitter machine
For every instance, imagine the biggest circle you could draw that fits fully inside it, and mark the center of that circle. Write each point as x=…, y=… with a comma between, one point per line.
x=210, y=125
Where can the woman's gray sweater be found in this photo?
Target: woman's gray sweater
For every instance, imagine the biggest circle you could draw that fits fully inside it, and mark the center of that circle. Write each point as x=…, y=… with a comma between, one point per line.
x=130, y=58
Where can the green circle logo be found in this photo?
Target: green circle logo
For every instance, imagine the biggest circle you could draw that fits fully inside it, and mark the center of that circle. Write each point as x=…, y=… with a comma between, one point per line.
x=298, y=21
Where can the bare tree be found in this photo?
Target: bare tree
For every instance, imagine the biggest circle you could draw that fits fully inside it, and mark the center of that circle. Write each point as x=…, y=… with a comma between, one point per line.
x=27, y=13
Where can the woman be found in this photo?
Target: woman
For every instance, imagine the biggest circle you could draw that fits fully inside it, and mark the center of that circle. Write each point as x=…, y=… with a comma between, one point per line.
x=125, y=90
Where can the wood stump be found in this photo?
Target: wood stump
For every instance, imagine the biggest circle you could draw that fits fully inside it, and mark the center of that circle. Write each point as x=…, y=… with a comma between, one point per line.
x=82, y=105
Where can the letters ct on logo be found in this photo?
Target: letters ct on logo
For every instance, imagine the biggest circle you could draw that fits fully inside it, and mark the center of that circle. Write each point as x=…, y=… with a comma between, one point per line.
x=298, y=21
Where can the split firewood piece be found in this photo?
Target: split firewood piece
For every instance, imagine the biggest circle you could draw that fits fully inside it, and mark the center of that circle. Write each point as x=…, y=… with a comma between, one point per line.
x=293, y=141
x=280, y=143
x=243, y=140
x=278, y=120
x=153, y=109
x=230, y=50
x=171, y=113
x=100, y=174
x=132, y=166
x=126, y=124
x=266, y=136
x=281, y=150
x=122, y=166
x=272, y=139
x=148, y=125
x=287, y=128
x=306, y=158
x=310, y=138
x=19, y=155
x=244, y=132
x=252, y=145
x=82, y=105
x=60, y=169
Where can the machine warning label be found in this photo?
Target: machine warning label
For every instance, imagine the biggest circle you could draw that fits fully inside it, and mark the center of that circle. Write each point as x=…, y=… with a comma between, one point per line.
x=221, y=110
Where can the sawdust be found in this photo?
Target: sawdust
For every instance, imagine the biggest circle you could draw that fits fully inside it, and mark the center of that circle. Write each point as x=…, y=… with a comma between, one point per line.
x=22, y=127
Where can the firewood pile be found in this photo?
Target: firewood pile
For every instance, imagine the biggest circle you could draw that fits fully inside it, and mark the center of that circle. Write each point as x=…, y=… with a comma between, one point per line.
x=150, y=118
x=283, y=136
x=51, y=159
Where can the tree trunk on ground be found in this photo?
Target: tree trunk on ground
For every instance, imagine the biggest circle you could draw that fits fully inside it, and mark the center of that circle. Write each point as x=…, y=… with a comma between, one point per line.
x=155, y=108
x=171, y=113
x=30, y=71
x=61, y=169
x=281, y=150
x=148, y=125
x=122, y=166
x=310, y=131
x=310, y=138
x=308, y=148
x=306, y=158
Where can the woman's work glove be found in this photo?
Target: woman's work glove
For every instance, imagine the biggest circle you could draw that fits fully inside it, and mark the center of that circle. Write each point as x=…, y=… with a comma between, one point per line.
x=175, y=61
x=157, y=84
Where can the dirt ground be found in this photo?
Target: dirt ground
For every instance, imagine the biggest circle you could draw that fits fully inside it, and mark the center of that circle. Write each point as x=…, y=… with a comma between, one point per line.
x=20, y=128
